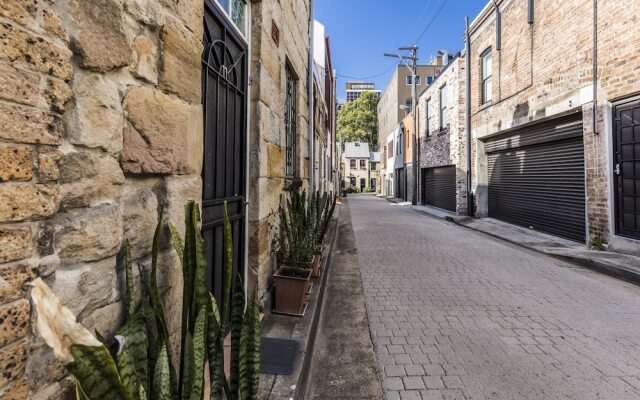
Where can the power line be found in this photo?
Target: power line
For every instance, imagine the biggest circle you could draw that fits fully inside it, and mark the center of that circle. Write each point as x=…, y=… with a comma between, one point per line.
x=431, y=22
x=424, y=12
x=369, y=77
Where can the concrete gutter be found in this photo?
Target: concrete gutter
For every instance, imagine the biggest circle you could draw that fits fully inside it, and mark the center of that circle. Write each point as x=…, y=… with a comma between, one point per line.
x=618, y=265
x=303, y=329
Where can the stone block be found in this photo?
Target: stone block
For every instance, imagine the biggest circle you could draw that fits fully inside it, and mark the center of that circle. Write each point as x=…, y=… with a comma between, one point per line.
x=57, y=93
x=89, y=177
x=34, y=52
x=48, y=164
x=99, y=37
x=190, y=11
x=21, y=202
x=14, y=321
x=164, y=135
x=16, y=163
x=20, y=11
x=89, y=235
x=16, y=391
x=97, y=117
x=42, y=368
x=149, y=12
x=86, y=287
x=28, y=125
x=18, y=86
x=140, y=214
x=275, y=161
x=181, y=52
x=15, y=243
x=181, y=189
x=12, y=281
x=53, y=26
x=145, y=59
x=105, y=320
x=13, y=359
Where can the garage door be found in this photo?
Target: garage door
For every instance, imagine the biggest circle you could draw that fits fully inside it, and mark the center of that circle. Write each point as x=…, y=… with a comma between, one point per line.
x=439, y=187
x=536, y=177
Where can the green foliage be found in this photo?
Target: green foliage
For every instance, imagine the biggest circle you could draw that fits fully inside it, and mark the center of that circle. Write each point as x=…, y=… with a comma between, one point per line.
x=303, y=223
x=143, y=366
x=358, y=120
x=597, y=243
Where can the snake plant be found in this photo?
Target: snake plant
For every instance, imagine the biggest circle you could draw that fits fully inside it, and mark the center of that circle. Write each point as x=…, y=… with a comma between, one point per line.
x=142, y=367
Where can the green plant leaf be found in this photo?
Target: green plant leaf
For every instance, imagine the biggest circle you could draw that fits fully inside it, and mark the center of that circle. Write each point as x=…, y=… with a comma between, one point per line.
x=129, y=288
x=236, y=331
x=178, y=244
x=200, y=287
x=228, y=268
x=188, y=368
x=162, y=375
x=215, y=355
x=250, y=351
x=96, y=373
x=133, y=357
x=199, y=354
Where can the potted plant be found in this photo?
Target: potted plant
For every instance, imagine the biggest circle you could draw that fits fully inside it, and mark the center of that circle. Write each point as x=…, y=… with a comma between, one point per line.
x=292, y=284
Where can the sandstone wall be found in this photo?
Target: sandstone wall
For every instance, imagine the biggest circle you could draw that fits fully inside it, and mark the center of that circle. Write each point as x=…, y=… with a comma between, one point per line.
x=545, y=69
x=100, y=124
x=269, y=54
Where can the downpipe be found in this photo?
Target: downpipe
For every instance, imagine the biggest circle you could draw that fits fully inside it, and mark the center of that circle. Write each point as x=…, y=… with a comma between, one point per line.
x=311, y=114
x=468, y=117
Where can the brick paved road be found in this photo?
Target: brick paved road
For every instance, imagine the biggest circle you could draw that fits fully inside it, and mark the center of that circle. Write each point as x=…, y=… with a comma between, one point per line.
x=455, y=314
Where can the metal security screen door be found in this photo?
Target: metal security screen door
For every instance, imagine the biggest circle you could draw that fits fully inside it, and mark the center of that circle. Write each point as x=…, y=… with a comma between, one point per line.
x=627, y=168
x=439, y=187
x=224, y=88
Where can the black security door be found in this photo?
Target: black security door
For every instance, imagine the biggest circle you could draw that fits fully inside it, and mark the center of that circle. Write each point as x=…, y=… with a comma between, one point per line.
x=627, y=168
x=224, y=87
x=439, y=187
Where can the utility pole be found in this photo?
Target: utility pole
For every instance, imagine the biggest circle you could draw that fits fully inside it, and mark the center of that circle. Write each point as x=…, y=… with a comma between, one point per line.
x=413, y=67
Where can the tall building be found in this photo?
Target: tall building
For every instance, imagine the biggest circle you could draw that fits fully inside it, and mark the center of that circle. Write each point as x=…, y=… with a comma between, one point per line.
x=355, y=89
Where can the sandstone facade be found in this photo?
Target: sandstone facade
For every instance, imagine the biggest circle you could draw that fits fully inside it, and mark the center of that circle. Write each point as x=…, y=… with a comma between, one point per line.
x=544, y=68
x=267, y=178
x=100, y=124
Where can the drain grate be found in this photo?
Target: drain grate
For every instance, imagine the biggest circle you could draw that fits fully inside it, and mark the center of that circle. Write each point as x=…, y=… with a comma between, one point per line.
x=278, y=356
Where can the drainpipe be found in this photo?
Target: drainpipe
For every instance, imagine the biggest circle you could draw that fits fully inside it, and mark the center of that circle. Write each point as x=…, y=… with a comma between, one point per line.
x=595, y=66
x=468, y=116
x=312, y=170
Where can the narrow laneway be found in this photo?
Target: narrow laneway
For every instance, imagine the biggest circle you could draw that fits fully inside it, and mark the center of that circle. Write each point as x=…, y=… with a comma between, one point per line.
x=455, y=314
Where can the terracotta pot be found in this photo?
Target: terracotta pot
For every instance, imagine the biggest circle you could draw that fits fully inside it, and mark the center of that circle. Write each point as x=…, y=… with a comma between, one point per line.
x=316, y=266
x=292, y=285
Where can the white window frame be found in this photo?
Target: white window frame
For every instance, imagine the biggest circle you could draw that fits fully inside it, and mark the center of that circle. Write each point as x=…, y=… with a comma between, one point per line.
x=444, y=102
x=486, y=64
x=227, y=10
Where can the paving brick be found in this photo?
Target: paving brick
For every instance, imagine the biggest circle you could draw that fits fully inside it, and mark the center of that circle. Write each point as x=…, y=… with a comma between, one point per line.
x=413, y=383
x=486, y=320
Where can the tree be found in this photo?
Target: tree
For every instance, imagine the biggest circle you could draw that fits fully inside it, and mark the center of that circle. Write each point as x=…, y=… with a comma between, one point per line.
x=358, y=120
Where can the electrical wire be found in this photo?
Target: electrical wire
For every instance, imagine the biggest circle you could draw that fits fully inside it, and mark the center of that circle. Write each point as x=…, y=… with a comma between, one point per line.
x=431, y=21
x=424, y=12
x=369, y=77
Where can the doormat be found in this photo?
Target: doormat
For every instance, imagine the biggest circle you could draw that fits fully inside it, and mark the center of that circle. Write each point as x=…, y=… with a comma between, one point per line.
x=278, y=356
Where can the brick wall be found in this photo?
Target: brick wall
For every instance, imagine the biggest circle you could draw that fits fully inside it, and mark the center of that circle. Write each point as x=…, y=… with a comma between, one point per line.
x=446, y=147
x=100, y=119
x=545, y=68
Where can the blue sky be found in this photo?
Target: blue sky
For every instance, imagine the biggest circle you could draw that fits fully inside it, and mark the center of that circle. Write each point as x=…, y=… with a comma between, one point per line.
x=362, y=30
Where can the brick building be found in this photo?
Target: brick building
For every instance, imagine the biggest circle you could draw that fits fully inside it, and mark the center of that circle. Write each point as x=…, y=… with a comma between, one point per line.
x=541, y=161
x=443, y=165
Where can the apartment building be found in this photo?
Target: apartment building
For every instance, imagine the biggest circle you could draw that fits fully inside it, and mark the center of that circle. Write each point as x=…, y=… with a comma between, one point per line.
x=361, y=167
x=355, y=89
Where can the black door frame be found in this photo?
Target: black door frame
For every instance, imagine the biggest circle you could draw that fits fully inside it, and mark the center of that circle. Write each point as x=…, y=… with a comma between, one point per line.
x=630, y=103
x=225, y=112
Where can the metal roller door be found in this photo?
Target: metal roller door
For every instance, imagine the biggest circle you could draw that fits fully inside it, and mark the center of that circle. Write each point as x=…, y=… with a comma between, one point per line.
x=536, y=177
x=439, y=187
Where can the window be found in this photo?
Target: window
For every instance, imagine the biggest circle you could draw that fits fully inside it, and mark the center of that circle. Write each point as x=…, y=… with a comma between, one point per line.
x=237, y=10
x=409, y=80
x=430, y=79
x=290, y=116
x=400, y=143
x=352, y=164
x=408, y=103
x=363, y=164
x=373, y=166
x=390, y=149
x=486, y=76
x=429, y=115
x=444, y=120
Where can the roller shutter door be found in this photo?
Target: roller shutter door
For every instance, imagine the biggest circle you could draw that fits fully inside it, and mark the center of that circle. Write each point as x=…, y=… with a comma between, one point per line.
x=536, y=177
x=439, y=187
